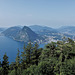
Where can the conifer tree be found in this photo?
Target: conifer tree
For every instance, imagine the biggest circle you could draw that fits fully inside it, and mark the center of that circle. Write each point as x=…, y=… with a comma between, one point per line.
x=18, y=59
x=28, y=53
x=5, y=65
x=35, y=54
x=17, y=64
x=23, y=59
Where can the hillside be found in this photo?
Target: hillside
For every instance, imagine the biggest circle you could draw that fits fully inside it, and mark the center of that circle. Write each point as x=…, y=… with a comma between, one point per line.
x=56, y=34
x=2, y=29
x=43, y=30
x=11, y=32
x=26, y=34
x=67, y=30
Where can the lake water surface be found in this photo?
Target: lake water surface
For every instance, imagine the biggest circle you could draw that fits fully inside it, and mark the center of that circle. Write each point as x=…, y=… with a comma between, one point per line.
x=10, y=46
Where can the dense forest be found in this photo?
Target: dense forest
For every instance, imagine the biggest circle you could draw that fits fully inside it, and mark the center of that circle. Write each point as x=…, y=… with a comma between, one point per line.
x=56, y=58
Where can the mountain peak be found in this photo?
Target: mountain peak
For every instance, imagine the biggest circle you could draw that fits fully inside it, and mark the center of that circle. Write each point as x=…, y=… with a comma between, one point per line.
x=27, y=34
x=25, y=28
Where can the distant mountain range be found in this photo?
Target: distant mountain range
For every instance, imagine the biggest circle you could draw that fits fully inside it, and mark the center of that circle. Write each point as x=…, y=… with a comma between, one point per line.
x=39, y=33
x=43, y=30
x=67, y=30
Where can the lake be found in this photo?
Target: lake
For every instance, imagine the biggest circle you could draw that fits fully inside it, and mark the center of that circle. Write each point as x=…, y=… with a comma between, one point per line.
x=10, y=46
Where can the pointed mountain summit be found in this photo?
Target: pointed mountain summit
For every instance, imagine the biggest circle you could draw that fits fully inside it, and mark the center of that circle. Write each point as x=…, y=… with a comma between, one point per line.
x=26, y=34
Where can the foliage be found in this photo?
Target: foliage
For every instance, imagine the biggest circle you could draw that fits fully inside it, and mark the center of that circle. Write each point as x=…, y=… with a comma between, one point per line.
x=5, y=65
x=55, y=59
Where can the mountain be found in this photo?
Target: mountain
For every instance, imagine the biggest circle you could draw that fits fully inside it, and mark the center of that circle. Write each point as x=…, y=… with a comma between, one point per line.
x=26, y=34
x=22, y=34
x=43, y=30
x=67, y=30
x=37, y=33
x=12, y=31
x=38, y=27
x=2, y=29
x=56, y=34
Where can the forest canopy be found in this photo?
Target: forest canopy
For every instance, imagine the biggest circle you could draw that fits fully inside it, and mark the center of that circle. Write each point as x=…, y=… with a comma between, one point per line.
x=56, y=58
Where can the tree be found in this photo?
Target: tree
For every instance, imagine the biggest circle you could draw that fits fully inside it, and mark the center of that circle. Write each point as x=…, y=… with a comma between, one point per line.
x=35, y=54
x=17, y=64
x=18, y=59
x=23, y=59
x=5, y=65
x=28, y=53
x=70, y=41
x=48, y=51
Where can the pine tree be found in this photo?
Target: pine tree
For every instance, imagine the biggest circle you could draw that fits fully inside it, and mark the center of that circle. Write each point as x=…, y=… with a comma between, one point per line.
x=23, y=60
x=5, y=65
x=28, y=53
x=17, y=65
x=18, y=59
x=35, y=54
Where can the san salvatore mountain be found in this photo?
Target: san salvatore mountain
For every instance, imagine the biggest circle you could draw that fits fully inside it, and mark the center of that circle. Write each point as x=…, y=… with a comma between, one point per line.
x=24, y=34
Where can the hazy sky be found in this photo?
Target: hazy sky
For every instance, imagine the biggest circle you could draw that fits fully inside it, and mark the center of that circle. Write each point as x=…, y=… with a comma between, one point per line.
x=53, y=13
